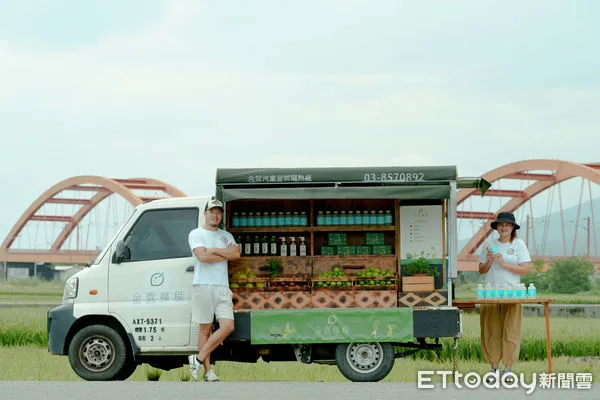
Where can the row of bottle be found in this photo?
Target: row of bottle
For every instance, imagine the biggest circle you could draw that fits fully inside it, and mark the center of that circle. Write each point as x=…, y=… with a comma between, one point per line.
x=274, y=246
x=519, y=291
x=258, y=219
x=354, y=217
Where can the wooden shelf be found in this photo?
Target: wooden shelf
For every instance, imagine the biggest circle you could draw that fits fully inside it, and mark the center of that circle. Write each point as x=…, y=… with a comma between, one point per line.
x=354, y=228
x=268, y=229
x=351, y=257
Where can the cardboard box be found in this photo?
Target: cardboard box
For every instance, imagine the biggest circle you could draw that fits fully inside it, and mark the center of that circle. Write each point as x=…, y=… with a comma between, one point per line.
x=337, y=239
x=377, y=238
x=382, y=250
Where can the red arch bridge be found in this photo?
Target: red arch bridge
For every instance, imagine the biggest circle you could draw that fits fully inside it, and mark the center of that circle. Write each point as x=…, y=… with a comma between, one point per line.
x=553, y=201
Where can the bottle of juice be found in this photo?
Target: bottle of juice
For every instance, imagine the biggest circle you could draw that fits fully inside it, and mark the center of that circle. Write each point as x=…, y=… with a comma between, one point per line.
x=293, y=247
x=264, y=246
x=273, y=219
x=365, y=218
x=250, y=219
x=258, y=219
x=373, y=218
x=328, y=219
x=388, y=217
x=288, y=218
x=235, y=222
x=243, y=220
x=296, y=219
x=350, y=218
x=273, y=246
x=283, y=248
x=335, y=219
x=343, y=218
x=302, y=247
x=280, y=219
x=320, y=218
x=358, y=218
x=380, y=218
x=303, y=219
x=266, y=220
x=247, y=246
x=256, y=246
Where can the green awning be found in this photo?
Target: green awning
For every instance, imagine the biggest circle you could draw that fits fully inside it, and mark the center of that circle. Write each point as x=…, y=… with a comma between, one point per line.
x=424, y=192
x=383, y=175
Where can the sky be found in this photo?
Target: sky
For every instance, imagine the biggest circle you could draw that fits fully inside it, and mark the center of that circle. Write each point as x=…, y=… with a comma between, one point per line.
x=173, y=90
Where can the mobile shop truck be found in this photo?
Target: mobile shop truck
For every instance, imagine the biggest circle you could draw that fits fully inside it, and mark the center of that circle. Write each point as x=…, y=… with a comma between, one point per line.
x=323, y=276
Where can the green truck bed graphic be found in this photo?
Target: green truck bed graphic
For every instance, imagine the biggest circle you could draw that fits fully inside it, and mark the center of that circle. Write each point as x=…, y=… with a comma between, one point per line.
x=331, y=325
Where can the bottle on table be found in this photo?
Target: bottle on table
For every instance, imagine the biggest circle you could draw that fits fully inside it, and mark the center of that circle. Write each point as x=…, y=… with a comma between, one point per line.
x=480, y=292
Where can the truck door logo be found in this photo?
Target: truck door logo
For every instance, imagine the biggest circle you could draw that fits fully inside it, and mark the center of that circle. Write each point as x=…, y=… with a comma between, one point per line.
x=157, y=279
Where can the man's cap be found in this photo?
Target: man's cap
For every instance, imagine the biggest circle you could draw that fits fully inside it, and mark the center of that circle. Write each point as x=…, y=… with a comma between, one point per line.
x=505, y=216
x=212, y=204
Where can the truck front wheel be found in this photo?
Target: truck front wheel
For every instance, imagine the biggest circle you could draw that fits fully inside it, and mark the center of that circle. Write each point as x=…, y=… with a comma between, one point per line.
x=99, y=353
x=365, y=362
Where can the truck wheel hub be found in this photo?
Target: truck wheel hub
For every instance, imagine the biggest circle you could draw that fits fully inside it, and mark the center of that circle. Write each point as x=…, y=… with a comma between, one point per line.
x=364, y=357
x=97, y=354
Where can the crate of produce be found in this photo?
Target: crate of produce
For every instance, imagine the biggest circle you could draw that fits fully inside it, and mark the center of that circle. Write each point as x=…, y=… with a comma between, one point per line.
x=382, y=250
x=346, y=250
x=328, y=251
x=373, y=278
x=364, y=250
x=377, y=238
x=337, y=239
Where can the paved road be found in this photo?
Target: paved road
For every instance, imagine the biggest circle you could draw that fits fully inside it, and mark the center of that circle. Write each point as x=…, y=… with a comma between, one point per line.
x=266, y=391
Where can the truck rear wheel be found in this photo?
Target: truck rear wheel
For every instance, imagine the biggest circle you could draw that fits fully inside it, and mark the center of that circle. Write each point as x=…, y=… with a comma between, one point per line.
x=365, y=362
x=99, y=353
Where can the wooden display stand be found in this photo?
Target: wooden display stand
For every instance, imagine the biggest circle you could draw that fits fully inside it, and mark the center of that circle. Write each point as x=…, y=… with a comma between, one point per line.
x=356, y=294
x=545, y=302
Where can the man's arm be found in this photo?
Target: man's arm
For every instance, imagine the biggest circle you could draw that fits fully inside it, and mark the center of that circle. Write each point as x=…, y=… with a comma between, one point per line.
x=231, y=252
x=203, y=254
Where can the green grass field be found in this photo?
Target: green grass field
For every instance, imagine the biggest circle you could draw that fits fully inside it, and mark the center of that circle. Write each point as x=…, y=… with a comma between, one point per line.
x=32, y=361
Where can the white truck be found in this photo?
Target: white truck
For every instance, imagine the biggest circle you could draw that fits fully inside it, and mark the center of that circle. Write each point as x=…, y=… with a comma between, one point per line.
x=132, y=305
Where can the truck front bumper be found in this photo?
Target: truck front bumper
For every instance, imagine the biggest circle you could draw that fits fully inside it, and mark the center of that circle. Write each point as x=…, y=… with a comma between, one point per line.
x=59, y=322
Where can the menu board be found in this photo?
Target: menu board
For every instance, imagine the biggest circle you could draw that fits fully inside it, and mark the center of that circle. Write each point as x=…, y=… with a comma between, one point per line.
x=421, y=232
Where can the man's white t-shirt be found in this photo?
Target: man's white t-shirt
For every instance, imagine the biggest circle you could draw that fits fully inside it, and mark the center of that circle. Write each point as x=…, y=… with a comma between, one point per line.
x=513, y=253
x=210, y=273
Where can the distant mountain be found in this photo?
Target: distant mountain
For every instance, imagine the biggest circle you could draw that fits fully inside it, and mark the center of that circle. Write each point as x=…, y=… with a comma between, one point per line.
x=550, y=227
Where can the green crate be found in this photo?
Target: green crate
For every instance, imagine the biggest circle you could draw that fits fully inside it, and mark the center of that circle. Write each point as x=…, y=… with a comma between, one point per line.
x=382, y=250
x=346, y=250
x=328, y=251
x=364, y=250
x=337, y=239
x=375, y=238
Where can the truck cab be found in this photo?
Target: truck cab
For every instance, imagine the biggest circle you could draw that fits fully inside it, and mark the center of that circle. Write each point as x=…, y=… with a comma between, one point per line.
x=133, y=303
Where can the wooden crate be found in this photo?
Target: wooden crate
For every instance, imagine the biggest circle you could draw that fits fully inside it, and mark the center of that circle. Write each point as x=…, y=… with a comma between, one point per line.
x=418, y=284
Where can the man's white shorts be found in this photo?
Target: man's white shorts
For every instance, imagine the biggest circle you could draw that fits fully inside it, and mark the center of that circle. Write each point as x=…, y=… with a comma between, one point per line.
x=210, y=301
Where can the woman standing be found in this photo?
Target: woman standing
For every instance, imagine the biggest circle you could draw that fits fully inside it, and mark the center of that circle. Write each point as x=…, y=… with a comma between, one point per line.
x=503, y=260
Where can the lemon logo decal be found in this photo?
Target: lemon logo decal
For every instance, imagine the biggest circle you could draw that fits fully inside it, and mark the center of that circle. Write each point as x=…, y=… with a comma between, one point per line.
x=157, y=279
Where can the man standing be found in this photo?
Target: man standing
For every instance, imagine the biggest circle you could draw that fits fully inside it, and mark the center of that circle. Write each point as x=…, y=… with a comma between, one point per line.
x=211, y=296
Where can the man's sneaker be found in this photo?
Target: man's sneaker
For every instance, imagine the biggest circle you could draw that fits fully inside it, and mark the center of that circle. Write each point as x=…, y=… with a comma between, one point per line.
x=210, y=376
x=194, y=366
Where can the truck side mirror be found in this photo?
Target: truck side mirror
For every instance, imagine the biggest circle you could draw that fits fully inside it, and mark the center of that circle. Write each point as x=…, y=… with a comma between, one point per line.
x=121, y=253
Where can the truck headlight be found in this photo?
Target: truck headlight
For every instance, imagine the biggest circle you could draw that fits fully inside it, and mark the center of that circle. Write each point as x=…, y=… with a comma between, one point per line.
x=71, y=288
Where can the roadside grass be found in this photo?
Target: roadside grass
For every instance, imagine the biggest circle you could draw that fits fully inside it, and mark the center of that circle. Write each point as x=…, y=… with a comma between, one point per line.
x=32, y=363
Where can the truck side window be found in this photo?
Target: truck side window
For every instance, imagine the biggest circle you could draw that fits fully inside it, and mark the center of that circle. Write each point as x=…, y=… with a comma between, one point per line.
x=161, y=234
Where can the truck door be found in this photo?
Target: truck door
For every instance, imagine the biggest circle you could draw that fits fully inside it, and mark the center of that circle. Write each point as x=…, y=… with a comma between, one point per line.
x=151, y=288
